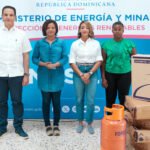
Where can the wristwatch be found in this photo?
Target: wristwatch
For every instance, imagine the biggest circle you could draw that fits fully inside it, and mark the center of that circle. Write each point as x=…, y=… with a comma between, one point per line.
x=91, y=72
x=26, y=74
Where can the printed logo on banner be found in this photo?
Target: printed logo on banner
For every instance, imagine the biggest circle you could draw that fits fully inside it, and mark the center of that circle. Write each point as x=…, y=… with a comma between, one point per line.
x=74, y=109
x=97, y=109
x=66, y=109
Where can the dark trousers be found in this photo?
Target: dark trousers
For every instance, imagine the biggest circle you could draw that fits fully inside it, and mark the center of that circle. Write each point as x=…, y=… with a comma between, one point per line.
x=47, y=98
x=14, y=86
x=117, y=83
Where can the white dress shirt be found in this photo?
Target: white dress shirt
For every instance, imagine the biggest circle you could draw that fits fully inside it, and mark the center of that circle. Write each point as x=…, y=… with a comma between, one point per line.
x=85, y=52
x=13, y=43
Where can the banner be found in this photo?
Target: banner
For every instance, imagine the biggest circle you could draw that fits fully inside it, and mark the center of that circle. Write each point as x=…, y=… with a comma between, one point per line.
x=102, y=14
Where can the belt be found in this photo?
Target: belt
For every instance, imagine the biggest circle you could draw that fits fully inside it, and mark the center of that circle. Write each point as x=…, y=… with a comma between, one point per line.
x=85, y=64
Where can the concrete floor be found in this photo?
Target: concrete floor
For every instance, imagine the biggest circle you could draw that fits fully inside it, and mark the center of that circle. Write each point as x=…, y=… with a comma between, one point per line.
x=38, y=140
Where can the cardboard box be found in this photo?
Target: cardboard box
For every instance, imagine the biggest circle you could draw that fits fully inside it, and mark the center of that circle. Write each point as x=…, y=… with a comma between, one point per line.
x=130, y=141
x=142, y=146
x=128, y=117
x=129, y=145
x=141, y=77
x=139, y=109
x=140, y=124
x=140, y=136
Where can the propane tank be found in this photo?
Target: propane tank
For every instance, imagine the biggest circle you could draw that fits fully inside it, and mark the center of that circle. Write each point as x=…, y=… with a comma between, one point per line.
x=113, y=129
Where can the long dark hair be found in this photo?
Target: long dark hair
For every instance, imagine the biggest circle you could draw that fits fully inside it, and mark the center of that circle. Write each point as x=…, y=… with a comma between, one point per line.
x=88, y=24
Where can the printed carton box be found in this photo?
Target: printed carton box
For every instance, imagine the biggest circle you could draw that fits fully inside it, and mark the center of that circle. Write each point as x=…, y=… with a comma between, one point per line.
x=139, y=109
x=141, y=77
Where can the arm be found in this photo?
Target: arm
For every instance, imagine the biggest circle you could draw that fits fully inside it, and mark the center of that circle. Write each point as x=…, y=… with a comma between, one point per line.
x=133, y=52
x=26, y=68
x=80, y=74
x=95, y=67
x=131, y=48
x=97, y=63
x=64, y=58
x=72, y=62
x=36, y=57
x=76, y=69
x=104, y=81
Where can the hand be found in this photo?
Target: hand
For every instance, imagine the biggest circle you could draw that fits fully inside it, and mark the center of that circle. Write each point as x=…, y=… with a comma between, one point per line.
x=84, y=79
x=25, y=80
x=87, y=81
x=104, y=83
x=49, y=65
x=86, y=76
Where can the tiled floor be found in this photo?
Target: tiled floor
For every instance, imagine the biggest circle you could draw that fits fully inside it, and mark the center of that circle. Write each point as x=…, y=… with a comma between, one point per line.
x=38, y=140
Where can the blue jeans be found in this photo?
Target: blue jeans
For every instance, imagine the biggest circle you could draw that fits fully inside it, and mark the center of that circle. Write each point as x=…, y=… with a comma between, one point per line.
x=85, y=90
x=47, y=97
x=14, y=86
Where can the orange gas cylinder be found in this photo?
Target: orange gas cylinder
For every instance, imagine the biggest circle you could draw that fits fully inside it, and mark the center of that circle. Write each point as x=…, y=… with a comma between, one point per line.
x=113, y=129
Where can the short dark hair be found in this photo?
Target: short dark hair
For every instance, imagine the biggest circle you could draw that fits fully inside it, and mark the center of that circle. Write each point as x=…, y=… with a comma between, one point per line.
x=10, y=7
x=45, y=24
x=117, y=23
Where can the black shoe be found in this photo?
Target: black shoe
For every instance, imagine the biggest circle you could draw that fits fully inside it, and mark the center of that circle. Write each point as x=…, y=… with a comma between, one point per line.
x=21, y=133
x=56, y=131
x=2, y=132
x=49, y=131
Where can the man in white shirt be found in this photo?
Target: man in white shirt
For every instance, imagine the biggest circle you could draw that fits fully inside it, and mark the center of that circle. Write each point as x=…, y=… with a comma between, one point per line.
x=14, y=70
